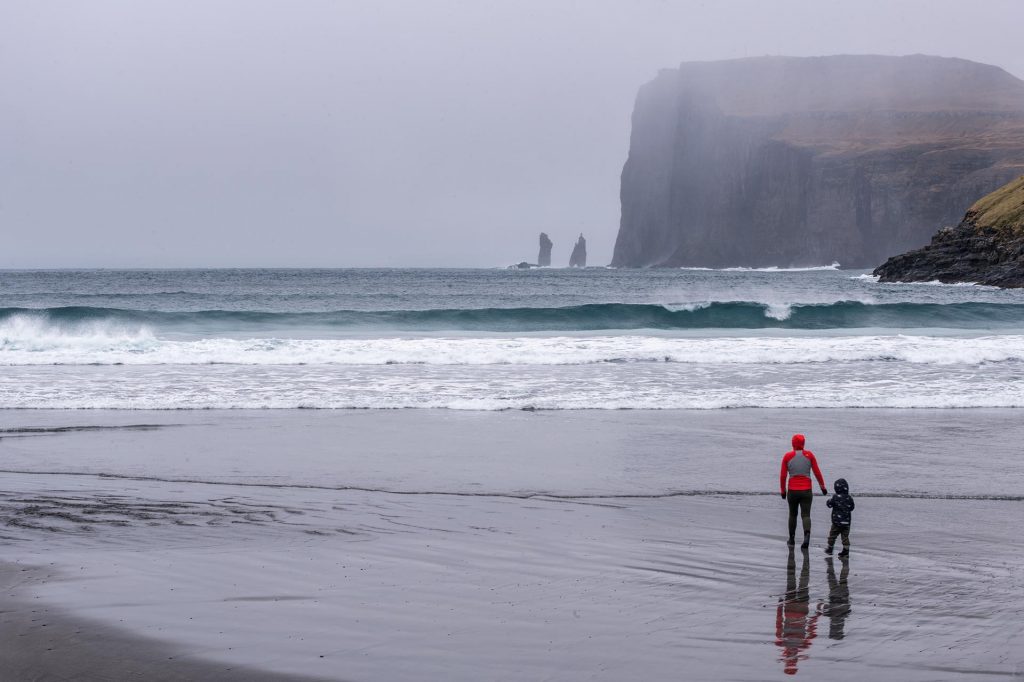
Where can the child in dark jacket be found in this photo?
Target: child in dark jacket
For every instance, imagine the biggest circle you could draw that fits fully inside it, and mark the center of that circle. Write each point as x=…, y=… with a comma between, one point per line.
x=842, y=507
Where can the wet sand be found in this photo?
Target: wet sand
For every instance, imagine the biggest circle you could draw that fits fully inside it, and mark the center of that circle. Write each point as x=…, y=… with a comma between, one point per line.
x=298, y=579
x=618, y=452
x=42, y=642
x=367, y=586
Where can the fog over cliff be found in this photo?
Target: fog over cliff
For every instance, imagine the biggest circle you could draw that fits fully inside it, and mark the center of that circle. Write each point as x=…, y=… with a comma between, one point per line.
x=396, y=133
x=777, y=161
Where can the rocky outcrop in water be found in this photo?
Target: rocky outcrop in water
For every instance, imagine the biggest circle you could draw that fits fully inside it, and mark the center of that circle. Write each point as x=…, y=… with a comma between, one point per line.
x=544, y=255
x=807, y=161
x=578, y=257
x=987, y=247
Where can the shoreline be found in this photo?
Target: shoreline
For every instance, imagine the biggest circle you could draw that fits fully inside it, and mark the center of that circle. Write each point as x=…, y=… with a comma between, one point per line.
x=522, y=453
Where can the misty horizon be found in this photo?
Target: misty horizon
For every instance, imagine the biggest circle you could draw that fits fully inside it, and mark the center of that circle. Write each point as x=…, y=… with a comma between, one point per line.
x=393, y=135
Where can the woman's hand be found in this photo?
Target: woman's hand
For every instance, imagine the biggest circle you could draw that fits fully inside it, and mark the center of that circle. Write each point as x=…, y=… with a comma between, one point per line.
x=783, y=495
x=824, y=491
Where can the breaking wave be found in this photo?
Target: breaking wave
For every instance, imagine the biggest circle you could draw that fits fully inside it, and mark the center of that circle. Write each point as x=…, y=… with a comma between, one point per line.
x=101, y=322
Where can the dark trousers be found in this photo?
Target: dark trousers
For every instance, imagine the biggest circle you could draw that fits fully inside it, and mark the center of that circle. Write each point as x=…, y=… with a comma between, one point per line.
x=799, y=499
x=835, y=532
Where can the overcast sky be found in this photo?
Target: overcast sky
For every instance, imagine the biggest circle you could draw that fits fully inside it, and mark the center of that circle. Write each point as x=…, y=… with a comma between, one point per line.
x=418, y=133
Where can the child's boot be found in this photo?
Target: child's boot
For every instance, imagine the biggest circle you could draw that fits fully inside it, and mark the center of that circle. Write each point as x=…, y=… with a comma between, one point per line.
x=807, y=541
x=828, y=549
x=845, y=552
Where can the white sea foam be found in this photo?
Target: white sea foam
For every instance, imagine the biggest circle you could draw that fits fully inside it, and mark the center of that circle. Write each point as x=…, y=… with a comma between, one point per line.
x=29, y=333
x=778, y=311
x=937, y=283
x=686, y=307
x=772, y=268
x=834, y=266
x=319, y=391
x=893, y=372
x=143, y=349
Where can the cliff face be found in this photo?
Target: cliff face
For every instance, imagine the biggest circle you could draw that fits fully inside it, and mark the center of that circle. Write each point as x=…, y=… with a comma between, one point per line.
x=806, y=161
x=987, y=247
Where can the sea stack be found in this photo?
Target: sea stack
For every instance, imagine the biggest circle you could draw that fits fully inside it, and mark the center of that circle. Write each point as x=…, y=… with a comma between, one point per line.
x=809, y=161
x=544, y=256
x=987, y=247
x=578, y=258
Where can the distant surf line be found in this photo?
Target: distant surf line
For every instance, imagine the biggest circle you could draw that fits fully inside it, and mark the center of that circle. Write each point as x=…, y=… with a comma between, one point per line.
x=526, y=495
x=770, y=268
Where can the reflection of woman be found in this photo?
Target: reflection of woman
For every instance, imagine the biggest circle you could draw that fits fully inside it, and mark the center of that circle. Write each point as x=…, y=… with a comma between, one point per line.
x=794, y=630
x=797, y=465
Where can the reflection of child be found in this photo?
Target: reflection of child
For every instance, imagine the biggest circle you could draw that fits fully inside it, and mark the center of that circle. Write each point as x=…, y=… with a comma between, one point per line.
x=842, y=513
x=838, y=606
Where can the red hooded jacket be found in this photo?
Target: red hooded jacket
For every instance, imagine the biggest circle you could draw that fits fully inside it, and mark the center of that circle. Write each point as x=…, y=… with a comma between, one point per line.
x=799, y=482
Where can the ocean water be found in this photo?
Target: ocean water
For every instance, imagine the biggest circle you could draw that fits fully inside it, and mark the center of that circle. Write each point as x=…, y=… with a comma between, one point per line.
x=548, y=339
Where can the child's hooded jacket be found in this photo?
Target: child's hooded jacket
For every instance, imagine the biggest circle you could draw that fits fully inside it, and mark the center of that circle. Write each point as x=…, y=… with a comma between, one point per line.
x=841, y=504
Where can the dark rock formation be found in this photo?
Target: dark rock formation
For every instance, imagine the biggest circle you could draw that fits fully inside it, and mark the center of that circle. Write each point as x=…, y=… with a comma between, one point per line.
x=544, y=256
x=987, y=247
x=578, y=257
x=806, y=161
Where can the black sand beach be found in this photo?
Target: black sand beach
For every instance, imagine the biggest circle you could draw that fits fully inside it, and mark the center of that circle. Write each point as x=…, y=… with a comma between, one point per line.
x=426, y=574
x=41, y=642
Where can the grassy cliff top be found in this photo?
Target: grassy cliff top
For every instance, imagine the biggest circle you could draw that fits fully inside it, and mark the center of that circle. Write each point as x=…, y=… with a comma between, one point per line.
x=770, y=86
x=1002, y=209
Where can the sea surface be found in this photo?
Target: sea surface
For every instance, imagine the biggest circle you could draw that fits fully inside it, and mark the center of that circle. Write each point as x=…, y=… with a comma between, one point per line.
x=495, y=339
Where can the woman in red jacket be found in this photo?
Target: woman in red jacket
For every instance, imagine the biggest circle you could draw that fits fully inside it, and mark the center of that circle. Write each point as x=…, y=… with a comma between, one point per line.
x=797, y=465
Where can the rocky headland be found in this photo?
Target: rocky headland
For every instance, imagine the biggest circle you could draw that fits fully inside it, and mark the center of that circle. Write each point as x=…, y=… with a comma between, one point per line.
x=987, y=247
x=807, y=161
